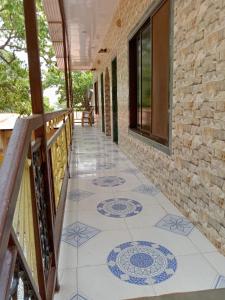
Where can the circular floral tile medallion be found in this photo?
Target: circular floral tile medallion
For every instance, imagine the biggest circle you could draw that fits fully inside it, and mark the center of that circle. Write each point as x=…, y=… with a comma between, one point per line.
x=119, y=207
x=142, y=263
x=107, y=181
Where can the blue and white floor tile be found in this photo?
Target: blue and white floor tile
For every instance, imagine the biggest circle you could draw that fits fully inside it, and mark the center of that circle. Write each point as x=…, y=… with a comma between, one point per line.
x=147, y=189
x=119, y=207
x=142, y=263
x=220, y=282
x=77, y=234
x=115, y=219
x=175, y=224
x=78, y=297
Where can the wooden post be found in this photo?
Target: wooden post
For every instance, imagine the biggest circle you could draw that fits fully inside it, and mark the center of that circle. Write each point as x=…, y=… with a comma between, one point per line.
x=70, y=80
x=67, y=64
x=33, y=56
x=65, y=53
x=38, y=107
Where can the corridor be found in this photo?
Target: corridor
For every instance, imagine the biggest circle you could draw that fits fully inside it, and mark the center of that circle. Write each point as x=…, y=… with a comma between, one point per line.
x=122, y=238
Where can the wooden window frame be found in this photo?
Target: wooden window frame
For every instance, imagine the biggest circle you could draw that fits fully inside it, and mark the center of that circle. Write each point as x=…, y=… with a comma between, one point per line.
x=132, y=48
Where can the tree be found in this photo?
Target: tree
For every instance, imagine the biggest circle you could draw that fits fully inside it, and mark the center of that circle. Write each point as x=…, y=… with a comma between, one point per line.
x=14, y=88
x=14, y=80
x=82, y=81
x=55, y=78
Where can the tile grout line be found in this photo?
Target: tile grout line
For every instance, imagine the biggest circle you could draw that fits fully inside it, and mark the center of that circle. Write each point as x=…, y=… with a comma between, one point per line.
x=115, y=193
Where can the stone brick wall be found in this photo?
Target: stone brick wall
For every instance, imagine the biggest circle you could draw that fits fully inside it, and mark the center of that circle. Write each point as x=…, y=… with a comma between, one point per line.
x=193, y=176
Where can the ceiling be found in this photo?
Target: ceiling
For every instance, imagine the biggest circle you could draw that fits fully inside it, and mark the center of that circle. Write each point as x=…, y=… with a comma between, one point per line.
x=87, y=24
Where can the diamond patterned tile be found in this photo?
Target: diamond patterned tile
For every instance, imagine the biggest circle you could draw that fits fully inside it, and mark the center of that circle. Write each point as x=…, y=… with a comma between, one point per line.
x=108, y=181
x=107, y=166
x=220, y=283
x=146, y=189
x=131, y=171
x=175, y=224
x=76, y=195
x=78, y=233
x=78, y=297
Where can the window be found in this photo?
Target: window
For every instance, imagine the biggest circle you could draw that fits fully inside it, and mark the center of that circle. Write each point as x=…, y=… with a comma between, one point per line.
x=149, y=76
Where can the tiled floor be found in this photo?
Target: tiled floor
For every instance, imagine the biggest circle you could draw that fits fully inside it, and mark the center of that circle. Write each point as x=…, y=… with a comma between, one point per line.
x=121, y=237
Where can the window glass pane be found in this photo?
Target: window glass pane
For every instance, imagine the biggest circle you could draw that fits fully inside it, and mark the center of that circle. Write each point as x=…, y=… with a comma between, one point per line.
x=146, y=79
x=139, y=82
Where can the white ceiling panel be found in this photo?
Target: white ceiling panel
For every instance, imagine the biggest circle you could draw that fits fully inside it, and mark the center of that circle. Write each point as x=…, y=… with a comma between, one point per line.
x=52, y=10
x=87, y=23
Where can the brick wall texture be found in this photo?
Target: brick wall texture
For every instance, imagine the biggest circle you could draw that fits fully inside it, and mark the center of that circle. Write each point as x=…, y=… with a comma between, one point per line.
x=193, y=176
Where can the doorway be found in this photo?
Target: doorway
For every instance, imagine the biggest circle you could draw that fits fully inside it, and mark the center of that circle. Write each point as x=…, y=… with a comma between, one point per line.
x=107, y=104
x=114, y=101
x=102, y=102
x=96, y=97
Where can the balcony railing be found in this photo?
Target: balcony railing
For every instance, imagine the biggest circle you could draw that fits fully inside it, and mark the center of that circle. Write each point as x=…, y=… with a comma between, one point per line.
x=33, y=183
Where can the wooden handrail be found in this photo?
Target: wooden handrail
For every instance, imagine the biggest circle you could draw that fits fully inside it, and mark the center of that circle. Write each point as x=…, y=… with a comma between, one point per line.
x=12, y=168
x=11, y=175
x=52, y=115
x=55, y=135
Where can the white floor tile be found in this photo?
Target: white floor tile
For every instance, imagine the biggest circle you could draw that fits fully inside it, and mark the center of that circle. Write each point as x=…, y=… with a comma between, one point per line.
x=177, y=244
x=193, y=274
x=148, y=217
x=100, y=284
x=68, y=256
x=198, y=263
x=97, y=249
x=95, y=219
x=146, y=200
x=70, y=217
x=71, y=205
x=90, y=203
x=200, y=241
x=68, y=285
x=165, y=203
x=216, y=260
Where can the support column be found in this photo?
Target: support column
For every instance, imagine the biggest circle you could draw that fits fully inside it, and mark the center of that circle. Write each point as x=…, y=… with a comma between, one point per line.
x=65, y=54
x=38, y=108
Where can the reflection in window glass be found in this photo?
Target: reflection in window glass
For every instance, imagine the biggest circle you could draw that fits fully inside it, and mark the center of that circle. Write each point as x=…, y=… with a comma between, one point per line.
x=139, y=121
x=146, y=79
x=143, y=41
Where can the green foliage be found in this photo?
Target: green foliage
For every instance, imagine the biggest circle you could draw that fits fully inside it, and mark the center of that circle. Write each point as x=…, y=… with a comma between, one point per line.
x=82, y=81
x=14, y=88
x=55, y=78
x=14, y=79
